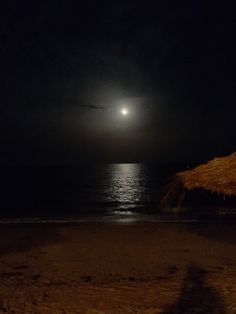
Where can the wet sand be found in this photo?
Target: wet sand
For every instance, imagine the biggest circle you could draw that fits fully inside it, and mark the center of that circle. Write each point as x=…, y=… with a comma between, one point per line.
x=110, y=268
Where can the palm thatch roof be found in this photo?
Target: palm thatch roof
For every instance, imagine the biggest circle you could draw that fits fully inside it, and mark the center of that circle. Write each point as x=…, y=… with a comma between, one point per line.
x=217, y=176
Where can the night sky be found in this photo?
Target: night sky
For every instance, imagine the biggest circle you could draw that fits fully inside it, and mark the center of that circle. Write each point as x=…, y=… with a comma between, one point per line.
x=68, y=68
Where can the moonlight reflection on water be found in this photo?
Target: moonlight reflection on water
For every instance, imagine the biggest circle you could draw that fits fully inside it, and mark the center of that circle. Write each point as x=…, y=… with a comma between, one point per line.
x=125, y=184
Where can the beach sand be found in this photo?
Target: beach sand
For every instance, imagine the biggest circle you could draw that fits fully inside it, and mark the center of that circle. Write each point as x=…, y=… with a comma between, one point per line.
x=110, y=268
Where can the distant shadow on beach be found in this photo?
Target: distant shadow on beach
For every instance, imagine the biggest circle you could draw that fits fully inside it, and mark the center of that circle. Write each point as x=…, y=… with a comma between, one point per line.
x=23, y=238
x=196, y=296
x=222, y=232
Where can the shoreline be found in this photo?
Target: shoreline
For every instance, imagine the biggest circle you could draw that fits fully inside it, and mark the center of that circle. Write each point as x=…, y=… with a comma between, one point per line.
x=123, y=220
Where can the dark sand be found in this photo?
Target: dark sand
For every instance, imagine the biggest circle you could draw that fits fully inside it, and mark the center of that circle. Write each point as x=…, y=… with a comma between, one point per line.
x=103, y=268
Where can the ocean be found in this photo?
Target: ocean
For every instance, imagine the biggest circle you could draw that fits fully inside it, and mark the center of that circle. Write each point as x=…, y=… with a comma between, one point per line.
x=93, y=192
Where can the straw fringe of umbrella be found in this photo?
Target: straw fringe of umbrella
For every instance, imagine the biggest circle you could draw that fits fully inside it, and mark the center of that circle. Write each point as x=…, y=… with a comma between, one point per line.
x=217, y=176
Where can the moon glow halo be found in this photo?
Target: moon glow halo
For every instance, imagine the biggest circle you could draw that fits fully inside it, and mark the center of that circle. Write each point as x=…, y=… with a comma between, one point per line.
x=124, y=111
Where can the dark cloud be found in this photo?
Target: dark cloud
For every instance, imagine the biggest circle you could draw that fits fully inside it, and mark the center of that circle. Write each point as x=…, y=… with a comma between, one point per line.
x=92, y=107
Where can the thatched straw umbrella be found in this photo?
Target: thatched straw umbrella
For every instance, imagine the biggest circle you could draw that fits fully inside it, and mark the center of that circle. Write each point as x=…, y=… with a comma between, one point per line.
x=217, y=176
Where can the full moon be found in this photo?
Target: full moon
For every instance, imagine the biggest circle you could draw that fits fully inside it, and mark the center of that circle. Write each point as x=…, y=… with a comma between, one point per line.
x=124, y=111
